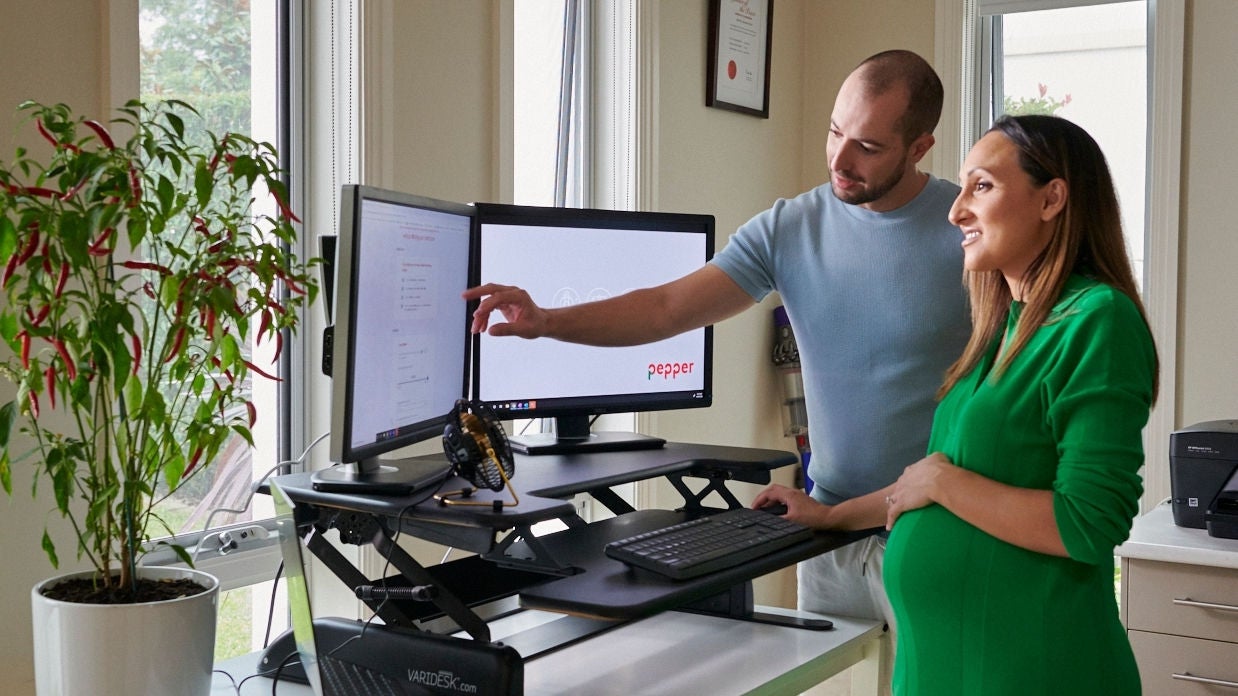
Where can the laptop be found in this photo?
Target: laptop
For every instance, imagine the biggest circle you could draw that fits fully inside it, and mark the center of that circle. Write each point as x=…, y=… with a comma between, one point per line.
x=341, y=657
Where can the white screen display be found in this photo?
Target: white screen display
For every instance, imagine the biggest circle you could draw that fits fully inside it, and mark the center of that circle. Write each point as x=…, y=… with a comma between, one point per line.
x=561, y=266
x=408, y=340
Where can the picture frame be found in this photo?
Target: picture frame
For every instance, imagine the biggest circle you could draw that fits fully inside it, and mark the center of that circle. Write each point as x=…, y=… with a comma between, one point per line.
x=737, y=76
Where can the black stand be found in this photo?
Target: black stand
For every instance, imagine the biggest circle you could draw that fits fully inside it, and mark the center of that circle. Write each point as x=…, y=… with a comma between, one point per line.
x=573, y=436
x=737, y=603
x=382, y=477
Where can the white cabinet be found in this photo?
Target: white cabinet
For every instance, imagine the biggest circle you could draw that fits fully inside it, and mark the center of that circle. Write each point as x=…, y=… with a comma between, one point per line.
x=1180, y=607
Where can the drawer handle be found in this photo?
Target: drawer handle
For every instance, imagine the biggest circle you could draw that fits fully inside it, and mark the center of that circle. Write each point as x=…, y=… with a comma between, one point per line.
x=1205, y=680
x=1188, y=602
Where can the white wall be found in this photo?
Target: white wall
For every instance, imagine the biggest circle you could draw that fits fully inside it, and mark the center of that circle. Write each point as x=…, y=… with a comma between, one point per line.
x=51, y=51
x=1208, y=322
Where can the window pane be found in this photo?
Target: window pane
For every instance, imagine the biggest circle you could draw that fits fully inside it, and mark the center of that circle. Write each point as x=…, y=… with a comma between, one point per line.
x=538, y=64
x=1088, y=64
x=220, y=56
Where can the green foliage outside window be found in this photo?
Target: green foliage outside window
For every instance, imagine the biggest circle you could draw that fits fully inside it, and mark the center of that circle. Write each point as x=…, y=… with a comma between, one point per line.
x=1041, y=105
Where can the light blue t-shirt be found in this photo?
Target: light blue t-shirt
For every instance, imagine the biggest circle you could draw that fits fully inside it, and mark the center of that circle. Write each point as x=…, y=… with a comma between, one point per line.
x=879, y=311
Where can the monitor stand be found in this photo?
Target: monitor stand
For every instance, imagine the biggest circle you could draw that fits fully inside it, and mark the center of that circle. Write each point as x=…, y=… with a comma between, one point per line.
x=573, y=436
x=382, y=476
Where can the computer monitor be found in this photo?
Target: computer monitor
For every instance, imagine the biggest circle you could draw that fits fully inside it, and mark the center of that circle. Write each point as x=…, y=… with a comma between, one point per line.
x=401, y=338
x=565, y=256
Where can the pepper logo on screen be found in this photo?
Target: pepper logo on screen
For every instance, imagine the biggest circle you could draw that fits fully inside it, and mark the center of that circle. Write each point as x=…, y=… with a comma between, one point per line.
x=670, y=370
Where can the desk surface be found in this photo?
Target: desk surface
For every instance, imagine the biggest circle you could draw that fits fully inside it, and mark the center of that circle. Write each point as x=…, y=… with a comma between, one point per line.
x=543, y=481
x=1155, y=537
x=671, y=653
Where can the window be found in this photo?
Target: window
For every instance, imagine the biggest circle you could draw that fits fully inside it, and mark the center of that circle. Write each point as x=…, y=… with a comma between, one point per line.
x=228, y=59
x=1063, y=61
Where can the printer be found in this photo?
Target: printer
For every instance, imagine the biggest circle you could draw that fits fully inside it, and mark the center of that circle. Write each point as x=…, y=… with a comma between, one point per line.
x=1203, y=477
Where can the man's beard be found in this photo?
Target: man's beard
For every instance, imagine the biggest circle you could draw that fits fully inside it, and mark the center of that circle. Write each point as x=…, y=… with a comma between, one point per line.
x=872, y=193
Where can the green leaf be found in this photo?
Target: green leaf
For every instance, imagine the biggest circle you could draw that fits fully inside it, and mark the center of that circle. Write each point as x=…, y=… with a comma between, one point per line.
x=167, y=194
x=50, y=549
x=8, y=328
x=244, y=433
x=8, y=416
x=8, y=237
x=230, y=352
x=180, y=552
x=133, y=394
x=203, y=183
x=6, y=473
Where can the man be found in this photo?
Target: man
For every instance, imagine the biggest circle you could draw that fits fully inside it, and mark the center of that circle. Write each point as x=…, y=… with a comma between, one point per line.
x=869, y=270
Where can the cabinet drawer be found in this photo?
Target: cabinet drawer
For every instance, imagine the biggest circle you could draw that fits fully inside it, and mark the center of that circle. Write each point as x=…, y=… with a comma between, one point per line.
x=1185, y=600
x=1203, y=667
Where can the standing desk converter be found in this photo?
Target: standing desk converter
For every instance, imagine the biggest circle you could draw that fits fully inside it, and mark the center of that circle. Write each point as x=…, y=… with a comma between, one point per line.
x=565, y=571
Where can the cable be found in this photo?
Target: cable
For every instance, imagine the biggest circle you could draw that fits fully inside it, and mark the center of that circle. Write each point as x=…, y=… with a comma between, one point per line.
x=279, y=571
x=252, y=490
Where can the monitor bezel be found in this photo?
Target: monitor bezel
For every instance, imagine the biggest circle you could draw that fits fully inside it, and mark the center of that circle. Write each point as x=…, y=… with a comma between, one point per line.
x=342, y=450
x=600, y=404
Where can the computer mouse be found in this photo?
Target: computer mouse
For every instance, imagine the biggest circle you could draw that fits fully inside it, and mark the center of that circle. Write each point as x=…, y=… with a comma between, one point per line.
x=775, y=509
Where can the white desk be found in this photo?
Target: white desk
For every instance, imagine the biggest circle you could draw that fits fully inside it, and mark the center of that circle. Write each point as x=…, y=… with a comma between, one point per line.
x=669, y=653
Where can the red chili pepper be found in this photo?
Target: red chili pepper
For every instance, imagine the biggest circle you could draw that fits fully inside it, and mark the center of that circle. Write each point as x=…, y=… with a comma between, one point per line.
x=97, y=247
x=175, y=348
x=279, y=346
x=9, y=268
x=261, y=372
x=136, y=185
x=253, y=413
x=37, y=319
x=34, y=403
x=293, y=287
x=46, y=135
x=148, y=289
x=47, y=259
x=69, y=366
x=146, y=266
x=25, y=349
x=210, y=321
x=32, y=243
x=41, y=192
x=100, y=131
x=284, y=209
x=64, y=278
x=193, y=462
x=264, y=323
x=137, y=352
x=50, y=376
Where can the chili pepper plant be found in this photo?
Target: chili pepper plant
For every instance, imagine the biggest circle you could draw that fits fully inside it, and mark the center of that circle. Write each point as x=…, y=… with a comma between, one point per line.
x=137, y=262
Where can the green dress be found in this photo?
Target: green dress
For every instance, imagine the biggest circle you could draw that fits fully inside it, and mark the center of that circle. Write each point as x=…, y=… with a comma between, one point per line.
x=978, y=616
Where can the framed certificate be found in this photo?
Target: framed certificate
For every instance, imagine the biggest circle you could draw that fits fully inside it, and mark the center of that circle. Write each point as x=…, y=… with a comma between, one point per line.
x=739, y=51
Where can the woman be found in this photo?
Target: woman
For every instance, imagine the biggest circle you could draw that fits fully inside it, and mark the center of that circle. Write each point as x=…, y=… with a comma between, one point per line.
x=999, y=565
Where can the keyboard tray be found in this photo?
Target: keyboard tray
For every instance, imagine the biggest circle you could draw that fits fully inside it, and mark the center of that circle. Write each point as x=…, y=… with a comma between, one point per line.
x=708, y=544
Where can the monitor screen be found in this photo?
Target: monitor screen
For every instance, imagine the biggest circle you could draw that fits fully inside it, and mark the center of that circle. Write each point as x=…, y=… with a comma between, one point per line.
x=401, y=336
x=566, y=256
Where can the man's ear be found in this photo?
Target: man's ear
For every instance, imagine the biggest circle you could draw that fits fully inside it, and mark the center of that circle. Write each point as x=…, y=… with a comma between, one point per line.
x=1055, y=194
x=920, y=147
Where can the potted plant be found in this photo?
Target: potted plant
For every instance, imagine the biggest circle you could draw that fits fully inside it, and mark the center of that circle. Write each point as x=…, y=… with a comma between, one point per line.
x=136, y=265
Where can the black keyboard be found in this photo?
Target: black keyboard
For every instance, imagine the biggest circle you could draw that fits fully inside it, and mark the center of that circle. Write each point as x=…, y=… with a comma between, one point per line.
x=708, y=544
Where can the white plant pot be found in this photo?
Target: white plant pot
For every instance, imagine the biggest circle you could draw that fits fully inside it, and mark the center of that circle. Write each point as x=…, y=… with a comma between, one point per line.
x=163, y=647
